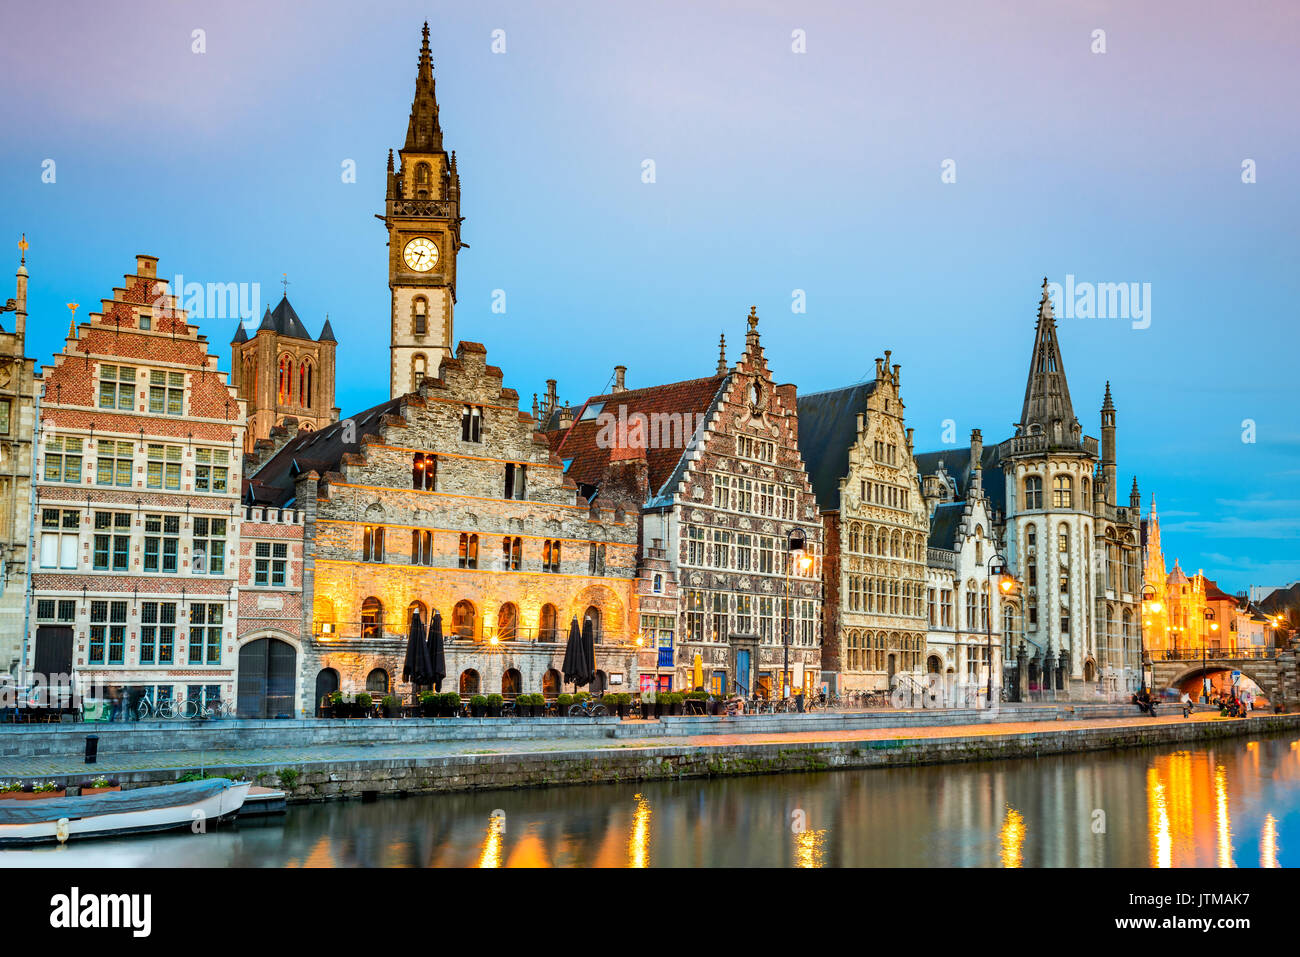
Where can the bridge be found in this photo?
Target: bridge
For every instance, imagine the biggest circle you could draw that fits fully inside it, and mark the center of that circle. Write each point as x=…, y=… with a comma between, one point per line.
x=1273, y=669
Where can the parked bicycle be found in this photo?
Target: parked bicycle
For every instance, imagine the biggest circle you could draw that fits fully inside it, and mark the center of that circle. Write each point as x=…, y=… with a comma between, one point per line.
x=588, y=708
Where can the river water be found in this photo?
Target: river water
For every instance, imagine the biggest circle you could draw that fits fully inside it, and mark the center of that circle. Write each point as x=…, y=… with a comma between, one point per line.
x=1230, y=804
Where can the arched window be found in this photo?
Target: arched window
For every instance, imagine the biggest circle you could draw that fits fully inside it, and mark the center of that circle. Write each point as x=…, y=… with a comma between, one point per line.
x=463, y=619
x=1063, y=539
x=412, y=609
x=592, y=615
x=304, y=384
x=551, y=683
x=421, y=547
x=511, y=683
x=869, y=541
x=1033, y=492
x=424, y=471
x=1062, y=492
x=512, y=550
x=547, y=624
x=422, y=174
x=286, y=380
x=469, y=682
x=896, y=544
x=372, y=543
x=377, y=682
x=419, y=365
x=420, y=315
x=372, y=618
x=468, y=551
x=508, y=621
x=853, y=538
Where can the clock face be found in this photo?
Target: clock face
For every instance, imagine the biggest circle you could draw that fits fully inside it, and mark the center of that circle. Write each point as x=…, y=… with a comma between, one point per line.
x=420, y=254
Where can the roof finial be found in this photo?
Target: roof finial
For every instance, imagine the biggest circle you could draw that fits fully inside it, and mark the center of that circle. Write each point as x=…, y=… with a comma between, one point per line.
x=722, y=355
x=390, y=159
x=753, y=318
x=22, y=247
x=285, y=282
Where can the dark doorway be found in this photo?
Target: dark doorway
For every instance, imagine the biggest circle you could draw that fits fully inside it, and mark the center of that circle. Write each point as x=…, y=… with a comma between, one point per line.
x=266, y=679
x=327, y=682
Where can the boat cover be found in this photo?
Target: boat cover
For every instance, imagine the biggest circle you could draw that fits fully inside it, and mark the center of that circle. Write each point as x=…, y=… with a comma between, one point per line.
x=114, y=802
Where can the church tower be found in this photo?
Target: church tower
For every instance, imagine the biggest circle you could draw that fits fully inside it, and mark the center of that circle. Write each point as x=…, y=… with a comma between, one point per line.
x=282, y=372
x=422, y=215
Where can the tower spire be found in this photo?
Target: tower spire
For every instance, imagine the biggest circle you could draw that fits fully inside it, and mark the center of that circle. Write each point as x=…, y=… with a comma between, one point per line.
x=423, y=134
x=722, y=354
x=1047, y=394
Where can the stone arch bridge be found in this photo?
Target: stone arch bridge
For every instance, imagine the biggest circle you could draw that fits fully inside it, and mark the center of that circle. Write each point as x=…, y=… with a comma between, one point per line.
x=1274, y=670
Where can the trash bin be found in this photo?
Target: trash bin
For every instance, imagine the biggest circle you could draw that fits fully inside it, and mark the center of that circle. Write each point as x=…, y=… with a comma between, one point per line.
x=92, y=748
x=798, y=702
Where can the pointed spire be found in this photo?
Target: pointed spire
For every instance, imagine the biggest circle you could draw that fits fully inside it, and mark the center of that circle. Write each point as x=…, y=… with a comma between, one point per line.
x=72, y=328
x=423, y=134
x=241, y=335
x=390, y=160
x=1047, y=394
x=722, y=355
x=326, y=333
x=1107, y=405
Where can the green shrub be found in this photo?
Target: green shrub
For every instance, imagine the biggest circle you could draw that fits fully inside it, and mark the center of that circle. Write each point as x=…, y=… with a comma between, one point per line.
x=390, y=701
x=697, y=695
x=495, y=701
x=451, y=699
x=427, y=697
x=336, y=697
x=581, y=696
x=478, y=701
x=288, y=778
x=564, y=700
x=365, y=700
x=10, y=787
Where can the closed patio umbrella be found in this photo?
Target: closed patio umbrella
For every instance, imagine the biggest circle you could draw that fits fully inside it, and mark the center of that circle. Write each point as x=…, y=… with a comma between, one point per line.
x=575, y=659
x=417, y=669
x=589, y=654
x=436, y=656
x=699, y=672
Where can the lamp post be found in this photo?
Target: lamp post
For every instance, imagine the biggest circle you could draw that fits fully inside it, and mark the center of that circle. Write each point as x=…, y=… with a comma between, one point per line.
x=1149, y=605
x=796, y=551
x=997, y=564
x=1205, y=675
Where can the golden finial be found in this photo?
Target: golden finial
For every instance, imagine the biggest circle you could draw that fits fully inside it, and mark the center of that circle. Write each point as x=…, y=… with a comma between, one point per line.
x=22, y=246
x=753, y=318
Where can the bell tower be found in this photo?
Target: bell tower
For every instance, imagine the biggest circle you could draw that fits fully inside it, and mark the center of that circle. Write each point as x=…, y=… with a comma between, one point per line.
x=422, y=215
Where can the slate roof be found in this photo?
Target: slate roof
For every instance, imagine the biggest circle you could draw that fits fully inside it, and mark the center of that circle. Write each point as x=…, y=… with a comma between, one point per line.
x=241, y=334
x=828, y=427
x=943, y=525
x=321, y=451
x=327, y=332
x=284, y=321
x=956, y=462
x=586, y=460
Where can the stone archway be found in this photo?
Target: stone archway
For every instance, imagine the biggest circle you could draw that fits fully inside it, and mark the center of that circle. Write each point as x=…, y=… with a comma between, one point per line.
x=267, y=684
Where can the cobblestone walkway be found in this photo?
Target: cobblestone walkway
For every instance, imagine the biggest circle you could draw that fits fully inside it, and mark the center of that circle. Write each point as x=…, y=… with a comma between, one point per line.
x=273, y=758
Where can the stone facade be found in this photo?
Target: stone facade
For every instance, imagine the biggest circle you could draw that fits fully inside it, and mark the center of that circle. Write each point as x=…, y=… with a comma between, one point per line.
x=447, y=501
x=271, y=610
x=17, y=432
x=136, y=500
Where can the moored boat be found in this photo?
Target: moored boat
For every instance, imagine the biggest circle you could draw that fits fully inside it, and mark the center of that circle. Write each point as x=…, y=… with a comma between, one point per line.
x=196, y=804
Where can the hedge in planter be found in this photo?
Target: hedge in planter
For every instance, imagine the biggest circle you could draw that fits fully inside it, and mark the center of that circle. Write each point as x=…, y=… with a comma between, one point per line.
x=478, y=705
x=494, y=703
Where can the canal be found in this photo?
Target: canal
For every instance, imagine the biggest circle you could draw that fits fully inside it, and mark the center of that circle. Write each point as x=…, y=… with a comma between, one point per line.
x=1233, y=803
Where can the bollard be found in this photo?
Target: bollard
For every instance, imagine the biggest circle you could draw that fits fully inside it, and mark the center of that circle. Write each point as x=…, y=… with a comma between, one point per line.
x=92, y=748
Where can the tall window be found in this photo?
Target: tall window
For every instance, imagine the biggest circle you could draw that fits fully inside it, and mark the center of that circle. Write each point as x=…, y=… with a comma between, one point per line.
x=1033, y=492
x=516, y=481
x=695, y=615
x=695, y=545
x=511, y=553
x=59, y=528
x=1062, y=492
x=471, y=423
x=116, y=387
x=420, y=315
x=107, y=632
x=62, y=459
x=463, y=619
x=508, y=621
x=209, y=546
x=162, y=543
x=421, y=547
x=970, y=608
x=424, y=471
x=596, y=559
x=157, y=632
x=163, y=469
x=211, y=470
x=419, y=368
x=468, y=551
x=372, y=618
x=286, y=380
x=205, y=633
x=166, y=392
x=112, y=542
x=1063, y=540
x=269, y=563
x=372, y=543
x=550, y=556
x=548, y=629
x=113, y=463
x=304, y=384
x=720, y=613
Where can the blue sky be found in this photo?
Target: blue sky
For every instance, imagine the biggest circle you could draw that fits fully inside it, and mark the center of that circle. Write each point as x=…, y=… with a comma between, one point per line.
x=775, y=171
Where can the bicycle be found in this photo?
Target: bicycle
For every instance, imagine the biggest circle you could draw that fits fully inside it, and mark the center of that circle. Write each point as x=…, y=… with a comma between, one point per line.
x=588, y=708
x=167, y=709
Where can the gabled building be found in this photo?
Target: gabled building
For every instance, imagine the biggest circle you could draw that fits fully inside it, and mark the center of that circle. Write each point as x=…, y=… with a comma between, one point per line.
x=858, y=453
x=712, y=468
x=137, y=495
x=446, y=500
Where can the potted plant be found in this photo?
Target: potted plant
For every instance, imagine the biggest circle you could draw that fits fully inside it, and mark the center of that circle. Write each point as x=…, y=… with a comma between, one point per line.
x=647, y=703
x=430, y=702
x=494, y=703
x=38, y=790
x=449, y=704
x=673, y=700
x=333, y=709
x=365, y=705
x=100, y=785
x=617, y=703
x=563, y=703
x=392, y=706
x=478, y=705
x=10, y=789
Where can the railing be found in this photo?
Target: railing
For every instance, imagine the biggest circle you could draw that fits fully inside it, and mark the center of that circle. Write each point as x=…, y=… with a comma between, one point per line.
x=941, y=558
x=665, y=658
x=1042, y=443
x=352, y=630
x=443, y=208
x=1213, y=654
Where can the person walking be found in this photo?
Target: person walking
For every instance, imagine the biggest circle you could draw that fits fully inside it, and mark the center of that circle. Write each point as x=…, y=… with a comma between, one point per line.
x=1187, y=704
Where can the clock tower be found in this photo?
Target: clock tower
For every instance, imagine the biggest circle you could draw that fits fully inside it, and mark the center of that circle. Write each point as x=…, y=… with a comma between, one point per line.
x=422, y=215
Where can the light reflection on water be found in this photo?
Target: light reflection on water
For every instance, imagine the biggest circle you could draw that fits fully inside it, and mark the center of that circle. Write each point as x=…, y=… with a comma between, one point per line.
x=1229, y=804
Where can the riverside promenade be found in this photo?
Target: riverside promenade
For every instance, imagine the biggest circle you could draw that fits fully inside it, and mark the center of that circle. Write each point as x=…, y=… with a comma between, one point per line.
x=339, y=759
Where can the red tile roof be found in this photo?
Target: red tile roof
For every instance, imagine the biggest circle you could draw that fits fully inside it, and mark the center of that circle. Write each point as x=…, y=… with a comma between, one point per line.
x=590, y=451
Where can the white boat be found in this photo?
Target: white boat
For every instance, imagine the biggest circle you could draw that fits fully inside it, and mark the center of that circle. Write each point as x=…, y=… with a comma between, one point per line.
x=195, y=804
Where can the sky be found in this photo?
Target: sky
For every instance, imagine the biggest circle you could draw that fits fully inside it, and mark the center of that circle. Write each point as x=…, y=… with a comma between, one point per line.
x=916, y=171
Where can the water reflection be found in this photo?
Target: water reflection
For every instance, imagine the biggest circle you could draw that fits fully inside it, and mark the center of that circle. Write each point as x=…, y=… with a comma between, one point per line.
x=1156, y=808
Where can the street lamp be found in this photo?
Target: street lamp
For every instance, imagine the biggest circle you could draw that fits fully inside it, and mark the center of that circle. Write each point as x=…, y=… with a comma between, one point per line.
x=997, y=565
x=1205, y=675
x=1151, y=606
x=797, y=549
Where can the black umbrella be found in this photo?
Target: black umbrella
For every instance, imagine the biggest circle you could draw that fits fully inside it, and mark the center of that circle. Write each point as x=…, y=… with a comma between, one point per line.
x=417, y=669
x=589, y=653
x=436, y=657
x=575, y=658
